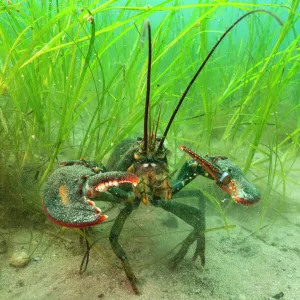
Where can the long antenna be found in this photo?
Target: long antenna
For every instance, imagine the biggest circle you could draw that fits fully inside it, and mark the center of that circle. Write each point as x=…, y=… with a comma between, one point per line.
x=157, y=122
x=204, y=63
x=147, y=103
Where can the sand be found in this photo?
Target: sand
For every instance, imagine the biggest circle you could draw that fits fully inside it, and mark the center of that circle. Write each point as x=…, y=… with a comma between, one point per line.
x=240, y=263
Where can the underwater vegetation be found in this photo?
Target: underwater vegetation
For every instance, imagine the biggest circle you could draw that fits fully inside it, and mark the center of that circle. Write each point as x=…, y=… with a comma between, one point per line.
x=73, y=84
x=70, y=89
x=68, y=192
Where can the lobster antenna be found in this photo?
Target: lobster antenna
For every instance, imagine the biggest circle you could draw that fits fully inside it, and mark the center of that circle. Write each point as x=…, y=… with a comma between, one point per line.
x=147, y=103
x=157, y=122
x=204, y=63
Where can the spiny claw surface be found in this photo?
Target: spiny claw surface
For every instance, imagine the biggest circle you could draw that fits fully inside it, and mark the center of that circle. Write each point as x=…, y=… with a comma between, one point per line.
x=64, y=200
x=228, y=176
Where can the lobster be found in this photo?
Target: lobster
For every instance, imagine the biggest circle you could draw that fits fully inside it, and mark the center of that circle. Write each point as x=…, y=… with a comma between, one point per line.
x=137, y=172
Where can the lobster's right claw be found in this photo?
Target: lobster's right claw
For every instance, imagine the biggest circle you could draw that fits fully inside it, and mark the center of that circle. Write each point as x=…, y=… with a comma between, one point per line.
x=228, y=176
x=68, y=190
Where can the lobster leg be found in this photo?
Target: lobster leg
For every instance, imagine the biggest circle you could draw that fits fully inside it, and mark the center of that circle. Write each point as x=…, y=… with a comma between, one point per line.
x=200, y=248
x=191, y=215
x=188, y=172
x=194, y=217
x=117, y=248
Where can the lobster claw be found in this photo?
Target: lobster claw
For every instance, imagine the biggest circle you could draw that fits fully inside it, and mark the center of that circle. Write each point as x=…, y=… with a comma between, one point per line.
x=228, y=176
x=68, y=190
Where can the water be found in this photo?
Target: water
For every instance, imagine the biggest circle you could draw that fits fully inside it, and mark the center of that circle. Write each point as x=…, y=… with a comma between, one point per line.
x=72, y=88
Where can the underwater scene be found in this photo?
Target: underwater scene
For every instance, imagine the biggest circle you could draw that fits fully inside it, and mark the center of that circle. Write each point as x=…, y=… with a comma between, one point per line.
x=150, y=149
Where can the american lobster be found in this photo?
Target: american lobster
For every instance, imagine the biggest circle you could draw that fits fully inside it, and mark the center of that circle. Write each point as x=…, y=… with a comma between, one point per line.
x=138, y=171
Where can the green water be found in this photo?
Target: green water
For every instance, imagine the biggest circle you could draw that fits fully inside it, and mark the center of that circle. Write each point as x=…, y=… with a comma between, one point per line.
x=73, y=84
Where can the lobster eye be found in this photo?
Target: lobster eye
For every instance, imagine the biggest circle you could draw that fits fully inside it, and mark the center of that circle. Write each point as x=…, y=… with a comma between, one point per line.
x=160, y=154
x=139, y=154
x=140, y=140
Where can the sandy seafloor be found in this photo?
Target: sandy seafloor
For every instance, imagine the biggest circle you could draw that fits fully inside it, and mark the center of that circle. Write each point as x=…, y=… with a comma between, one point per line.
x=239, y=264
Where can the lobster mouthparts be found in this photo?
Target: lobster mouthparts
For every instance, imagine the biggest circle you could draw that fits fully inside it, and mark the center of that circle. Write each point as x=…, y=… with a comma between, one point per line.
x=68, y=190
x=228, y=176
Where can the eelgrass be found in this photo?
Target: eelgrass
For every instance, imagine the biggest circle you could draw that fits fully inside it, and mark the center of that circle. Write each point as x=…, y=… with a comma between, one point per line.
x=72, y=88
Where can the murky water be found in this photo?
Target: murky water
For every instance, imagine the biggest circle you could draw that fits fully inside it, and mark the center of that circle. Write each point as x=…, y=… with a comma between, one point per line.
x=73, y=84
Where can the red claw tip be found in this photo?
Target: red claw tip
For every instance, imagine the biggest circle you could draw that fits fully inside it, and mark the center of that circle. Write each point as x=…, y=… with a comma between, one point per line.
x=244, y=201
x=103, y=218
x=135, y=182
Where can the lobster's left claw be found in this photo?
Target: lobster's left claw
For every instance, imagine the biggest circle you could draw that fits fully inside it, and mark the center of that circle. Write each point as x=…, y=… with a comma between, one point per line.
x=228, y=176
x=68, y=190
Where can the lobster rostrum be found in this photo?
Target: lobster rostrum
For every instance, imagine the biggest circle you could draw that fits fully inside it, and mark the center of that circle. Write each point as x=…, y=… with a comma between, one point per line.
x=140, y=167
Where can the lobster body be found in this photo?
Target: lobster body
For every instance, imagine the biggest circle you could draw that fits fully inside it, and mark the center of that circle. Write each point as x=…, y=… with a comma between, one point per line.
x=151, y=169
